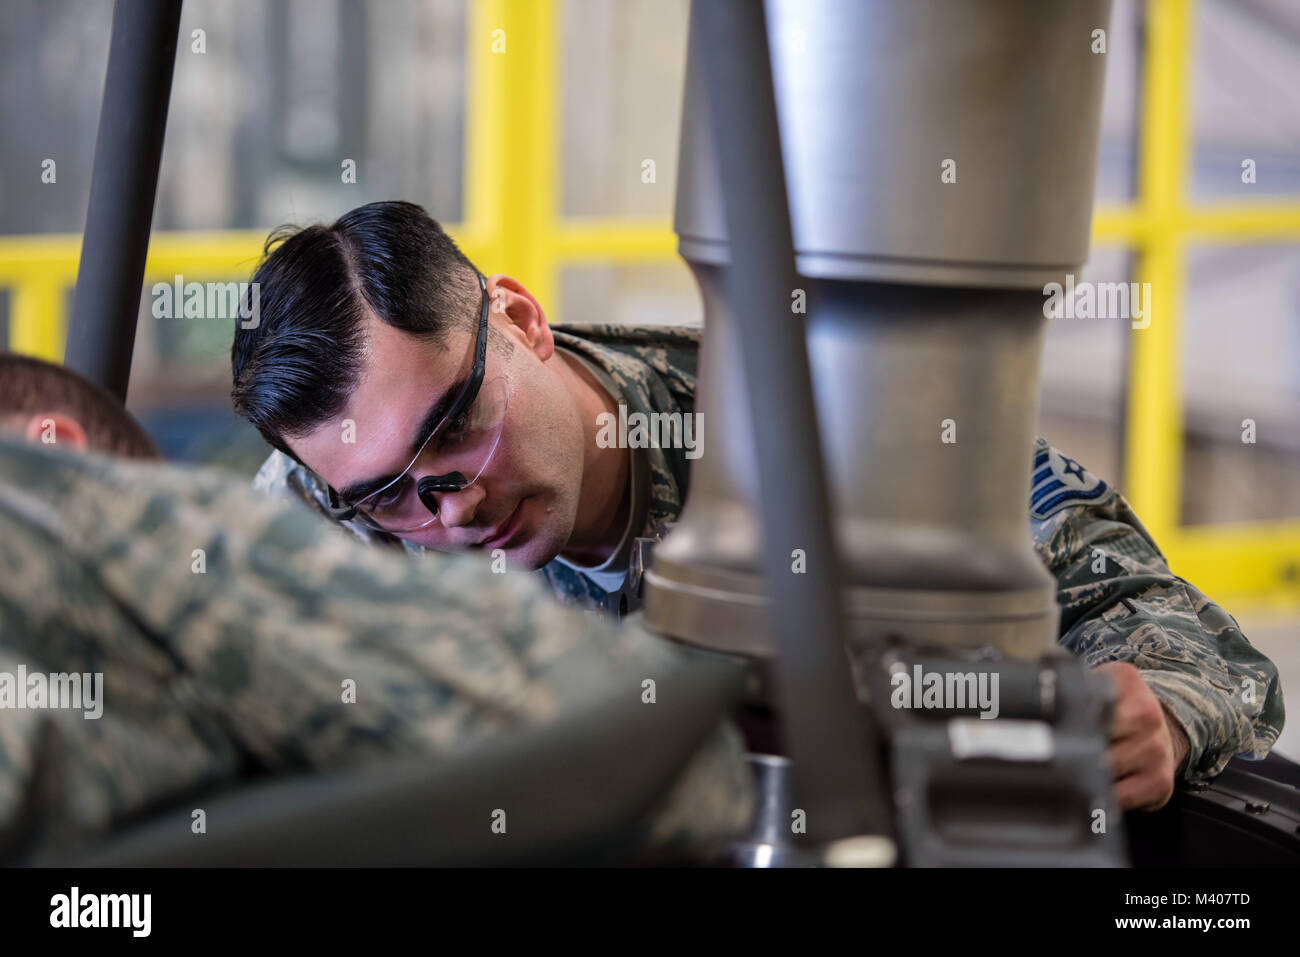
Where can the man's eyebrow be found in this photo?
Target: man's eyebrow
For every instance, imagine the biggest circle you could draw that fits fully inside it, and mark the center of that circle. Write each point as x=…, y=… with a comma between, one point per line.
x=437, y=411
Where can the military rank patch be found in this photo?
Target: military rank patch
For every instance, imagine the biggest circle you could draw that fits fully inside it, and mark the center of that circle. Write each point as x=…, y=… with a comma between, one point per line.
x=1059, y=482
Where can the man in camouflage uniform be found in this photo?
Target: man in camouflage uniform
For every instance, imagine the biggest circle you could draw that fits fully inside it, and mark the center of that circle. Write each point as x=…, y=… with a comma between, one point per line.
x=1191, y=691
x=648, y=369
x=226, y=626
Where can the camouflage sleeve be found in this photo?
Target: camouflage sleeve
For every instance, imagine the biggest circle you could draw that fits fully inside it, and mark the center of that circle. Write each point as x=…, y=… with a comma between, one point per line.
x=237, y=634
x=1120, y=602
x=282, y=476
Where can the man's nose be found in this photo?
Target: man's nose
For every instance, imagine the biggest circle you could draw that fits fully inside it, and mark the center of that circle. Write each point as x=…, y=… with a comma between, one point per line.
x=459, y=508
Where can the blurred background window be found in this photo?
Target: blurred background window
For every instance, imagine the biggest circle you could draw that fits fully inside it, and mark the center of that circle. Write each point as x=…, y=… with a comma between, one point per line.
x=260, y=121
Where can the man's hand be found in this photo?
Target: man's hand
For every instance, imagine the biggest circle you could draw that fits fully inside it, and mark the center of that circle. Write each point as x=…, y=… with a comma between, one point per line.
x=1147, y=746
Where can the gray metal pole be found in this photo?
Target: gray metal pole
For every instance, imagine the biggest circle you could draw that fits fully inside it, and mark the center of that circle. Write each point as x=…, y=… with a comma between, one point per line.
x=826, y=729
x=128, y=151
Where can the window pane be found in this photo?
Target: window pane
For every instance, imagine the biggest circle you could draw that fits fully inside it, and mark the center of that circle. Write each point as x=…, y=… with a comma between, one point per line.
x=287, y=90
x=1241, y=361
x=260, y=121
x=1084, y=377
x=1117, y=160
x=53, y=54
x=1243, y=99
x=623, y=67
x=652, y=295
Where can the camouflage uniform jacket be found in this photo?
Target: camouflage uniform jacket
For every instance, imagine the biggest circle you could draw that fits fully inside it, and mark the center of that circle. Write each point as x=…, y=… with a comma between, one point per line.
x=1119, y=600
x=225, y=625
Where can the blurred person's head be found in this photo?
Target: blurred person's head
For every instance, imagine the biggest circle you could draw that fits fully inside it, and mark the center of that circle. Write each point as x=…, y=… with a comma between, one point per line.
x=48, y=404
x=366, y=328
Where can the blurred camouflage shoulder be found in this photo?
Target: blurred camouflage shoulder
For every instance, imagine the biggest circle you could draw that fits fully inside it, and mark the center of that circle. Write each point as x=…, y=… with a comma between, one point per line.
x=284, y=478
x=240, y=636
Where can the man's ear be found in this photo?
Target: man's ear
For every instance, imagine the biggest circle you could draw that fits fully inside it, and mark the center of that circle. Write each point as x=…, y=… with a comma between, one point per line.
x=56, y=428
x=507, y=297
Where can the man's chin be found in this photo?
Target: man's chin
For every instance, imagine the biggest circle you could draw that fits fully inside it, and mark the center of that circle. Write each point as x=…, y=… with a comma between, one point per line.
x=533, y=558
x=544, y=537
x=532, y=554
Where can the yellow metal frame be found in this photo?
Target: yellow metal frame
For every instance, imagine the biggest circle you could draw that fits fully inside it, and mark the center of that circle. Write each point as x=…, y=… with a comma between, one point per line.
x=513, y=225
x=1248, y=562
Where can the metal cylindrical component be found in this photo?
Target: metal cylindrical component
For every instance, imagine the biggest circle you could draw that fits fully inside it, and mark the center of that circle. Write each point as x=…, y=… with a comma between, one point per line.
x=831, y=736
x=930, y=141
x=923, y=286
x=934, y=533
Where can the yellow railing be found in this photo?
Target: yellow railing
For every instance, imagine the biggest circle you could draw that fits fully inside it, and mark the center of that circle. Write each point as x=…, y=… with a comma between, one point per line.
x=1235, y=563
x=513, y=225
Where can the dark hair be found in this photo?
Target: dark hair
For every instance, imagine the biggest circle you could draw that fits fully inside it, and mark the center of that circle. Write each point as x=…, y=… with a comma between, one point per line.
x=298, y=364
x=30, y=386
